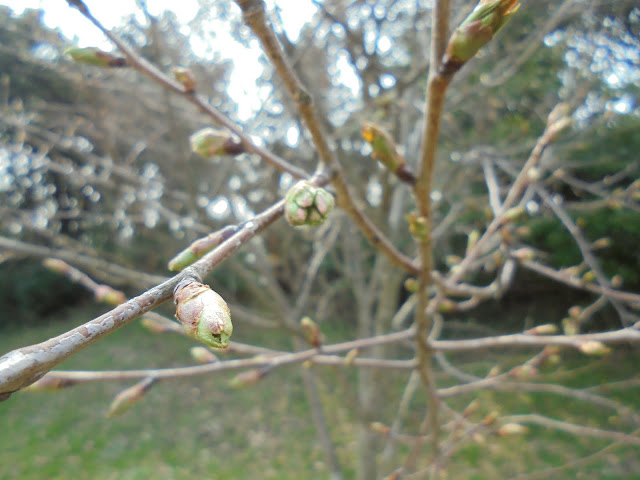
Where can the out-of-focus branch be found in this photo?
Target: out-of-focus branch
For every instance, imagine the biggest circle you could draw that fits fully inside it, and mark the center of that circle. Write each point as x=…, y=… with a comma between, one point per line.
x=79, y=259
x=256, y=18
x=145, y=67
x=629, y=334
x=572, y=428
x=437, y=84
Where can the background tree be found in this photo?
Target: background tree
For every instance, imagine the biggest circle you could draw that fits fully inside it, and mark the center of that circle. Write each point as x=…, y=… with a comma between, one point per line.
x=511, y=187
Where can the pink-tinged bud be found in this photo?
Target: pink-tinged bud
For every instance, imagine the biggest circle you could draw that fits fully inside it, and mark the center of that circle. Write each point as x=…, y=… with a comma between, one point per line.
x=93, y=56
x=477, y=30
x=56, y=265
x=209, y=143
x=546, y=329
x=186, y=78
x=201, y=247
x=512, y=429
x=50, y=384
x=311, y=331
x=129, y=397
x=306, y=204
x=592, y=347
x=575, y=311
x=380, y=427
x=203, y=313
x=108, y=295
x=249, y=377
x=203, y=355
x=386, y=152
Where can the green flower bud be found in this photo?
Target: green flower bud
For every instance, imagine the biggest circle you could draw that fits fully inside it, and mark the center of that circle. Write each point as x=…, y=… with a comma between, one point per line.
x=311, y=331
x=593, y=347
x=186, y=78
x=108, y=295
x=386, y=151
x=129, y=397
x=203, y=355
x=201, y=247
x=203, y=313
x=93, y=56
x=50, y=384
x=476, y=30
x=306, y=204
x=209, y=142
x=249, y=377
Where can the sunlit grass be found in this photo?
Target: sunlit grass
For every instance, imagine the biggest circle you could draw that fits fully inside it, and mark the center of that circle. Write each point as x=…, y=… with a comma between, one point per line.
x=201, y=428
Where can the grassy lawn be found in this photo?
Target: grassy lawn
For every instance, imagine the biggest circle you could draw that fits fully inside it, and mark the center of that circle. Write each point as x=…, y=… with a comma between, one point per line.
x=200, y=428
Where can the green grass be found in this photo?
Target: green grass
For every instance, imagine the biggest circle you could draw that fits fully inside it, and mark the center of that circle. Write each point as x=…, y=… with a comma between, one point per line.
x=200, y=428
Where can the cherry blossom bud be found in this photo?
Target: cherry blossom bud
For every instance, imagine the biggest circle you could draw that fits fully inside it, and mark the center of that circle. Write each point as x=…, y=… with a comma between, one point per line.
x=108, y=295
x=203, y=355
x=249, y=377
x=50, y=384
x=512, y=429
x=546, y=329
x=129, y=397
x=157, y=324
x=201, y=247
x=476, y=30
x=593, y=347
x=351, y=356
x=311, y=331
x=386, y=152
x=306, y=204
x=93, y=56
x=209, y=143
x=203, y=313
x=380, y=427
x=186, y=78
x=56, y=265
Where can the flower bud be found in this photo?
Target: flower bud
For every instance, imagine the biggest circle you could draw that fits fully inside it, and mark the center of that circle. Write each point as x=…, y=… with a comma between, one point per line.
x=490, y=418
x=386, y=152
x=108, y=295
x=129, y=397
x=203, y=313
x=380, y=427
x=412, y=285
x=203, y=355
x=351, y=356
x=546, y=329
x=158, y=324
x=593, y=347
x=512, y=429
x=56, y=265
x=249, y=377
x=186, y=78
x=311, y=331
x=201, y=247
x=209, y=142
x=50, y=384
x=93, y=56
x=477, y=30
x=514, y=213
x=306, y=204
x=472, y=239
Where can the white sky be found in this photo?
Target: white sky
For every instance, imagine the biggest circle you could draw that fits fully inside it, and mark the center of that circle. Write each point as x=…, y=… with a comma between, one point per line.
x=242, y=85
